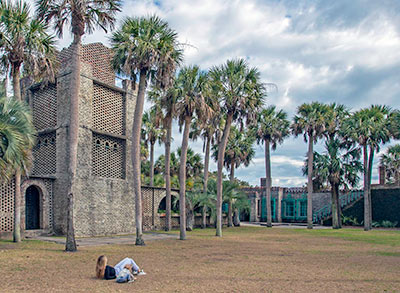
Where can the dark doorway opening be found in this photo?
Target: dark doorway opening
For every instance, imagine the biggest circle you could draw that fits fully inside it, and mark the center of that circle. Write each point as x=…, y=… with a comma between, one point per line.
x=32, y=208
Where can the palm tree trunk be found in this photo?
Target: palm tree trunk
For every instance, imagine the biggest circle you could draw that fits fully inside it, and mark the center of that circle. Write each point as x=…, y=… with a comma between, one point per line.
x=335, y=205
x=137, y=126
x=231, y=179
x=268, y=181
x=370, y=165
x=206, y=163
x=339, y=208
x=367, y=224
x=167, y=174
x=151, y=164
x=309, y=182
x=182, y=178
x=204, y=217
x=220, y=166
x=17, y=196
x=70, y=244
x=17, y=208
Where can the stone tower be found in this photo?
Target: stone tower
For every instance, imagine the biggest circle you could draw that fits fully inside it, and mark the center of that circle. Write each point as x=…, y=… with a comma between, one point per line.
x=104, y=200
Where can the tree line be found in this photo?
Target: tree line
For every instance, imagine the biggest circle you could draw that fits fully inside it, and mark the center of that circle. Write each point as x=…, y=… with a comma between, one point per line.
x=215, y=105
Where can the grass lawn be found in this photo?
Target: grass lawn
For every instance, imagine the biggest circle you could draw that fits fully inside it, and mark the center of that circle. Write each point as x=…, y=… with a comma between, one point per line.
x=246, y=259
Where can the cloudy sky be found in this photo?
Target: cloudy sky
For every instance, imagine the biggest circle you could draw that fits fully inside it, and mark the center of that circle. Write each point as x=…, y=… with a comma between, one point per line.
x=330, y=51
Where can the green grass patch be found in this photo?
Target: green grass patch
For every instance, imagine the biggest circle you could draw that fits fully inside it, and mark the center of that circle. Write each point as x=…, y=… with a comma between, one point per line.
x=387, y=253
x=391, y=238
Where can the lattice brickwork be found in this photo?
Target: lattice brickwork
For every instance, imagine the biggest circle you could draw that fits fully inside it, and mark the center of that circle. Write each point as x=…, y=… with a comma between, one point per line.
x=45, y=107
x=108, y=156
x=108, y=110
x=7, y=193
x=49, y=186
x=44, y=154
x=98, y=56
x=148, y=207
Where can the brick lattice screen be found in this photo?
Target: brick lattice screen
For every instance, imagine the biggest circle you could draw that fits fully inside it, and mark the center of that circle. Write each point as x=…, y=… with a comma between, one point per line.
x=98, y=56
x=108, y=156
x=45, y=107
x=45, y=154
x=49, y=186
x=108, y=110
x=7, y=191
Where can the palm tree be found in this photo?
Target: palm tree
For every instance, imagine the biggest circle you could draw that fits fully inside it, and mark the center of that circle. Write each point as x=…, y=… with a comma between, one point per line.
x=166, y=101
x=240, y=93
x=271, y=129
x=369, y=127
x=339, y=166
x=144, y=47
x=391, y=162
x=191, y=83
x=82, y=16
x=239, y=150
x=24, y=45
x=194, y=166
x=310, y=121
x=151, y=133
x=209, y=131
x=16, y=137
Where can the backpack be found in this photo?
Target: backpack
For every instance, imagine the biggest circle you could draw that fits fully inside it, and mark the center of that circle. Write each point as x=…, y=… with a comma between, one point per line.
x=124, y=276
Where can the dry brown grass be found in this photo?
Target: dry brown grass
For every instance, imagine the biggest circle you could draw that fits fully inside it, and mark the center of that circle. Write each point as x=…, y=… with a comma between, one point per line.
x=246, y=259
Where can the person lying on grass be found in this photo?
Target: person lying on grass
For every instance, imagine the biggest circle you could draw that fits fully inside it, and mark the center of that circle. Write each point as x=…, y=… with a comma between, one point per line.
x=104, y=271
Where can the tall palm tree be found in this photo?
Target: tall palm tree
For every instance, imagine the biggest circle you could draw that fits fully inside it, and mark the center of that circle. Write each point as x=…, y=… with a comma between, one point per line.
x=191, y=83
x=240, y=93
x=165, y=102
x=151, y=133
x=144, y=47
x=82, y=16
x=339, y=167
x=239, y=150
x=24, y=45
x=209, y=131
x=271, y=129
x=391, y=162
x=310, y=121
x=369, y=127
x=16, y=137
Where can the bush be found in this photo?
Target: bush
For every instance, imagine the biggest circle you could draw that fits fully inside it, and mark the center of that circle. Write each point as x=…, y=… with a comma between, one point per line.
x=350, y=221
x=384, y=224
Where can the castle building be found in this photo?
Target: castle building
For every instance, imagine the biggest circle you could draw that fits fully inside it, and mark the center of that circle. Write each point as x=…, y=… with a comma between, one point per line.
x=103, y=195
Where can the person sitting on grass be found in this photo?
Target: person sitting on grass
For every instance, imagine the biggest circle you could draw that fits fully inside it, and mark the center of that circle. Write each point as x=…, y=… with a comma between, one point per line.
x=104, y=271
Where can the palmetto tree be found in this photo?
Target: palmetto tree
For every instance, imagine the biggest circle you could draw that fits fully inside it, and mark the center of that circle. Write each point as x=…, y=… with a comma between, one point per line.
x=239, y=150
x=191, y=84
x=339, y=166
x=165, y=102
x=240, y=93
x=24, y=45
x=391, y=162
x=16, y=137
x=151, y=133
x=144, y=48
x=310, y=121
x=209, y=130
x=369, y=127
x=82, y=16
x=271, y=129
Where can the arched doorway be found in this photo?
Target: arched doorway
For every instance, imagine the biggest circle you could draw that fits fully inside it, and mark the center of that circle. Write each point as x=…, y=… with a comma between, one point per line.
x=32, y=208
